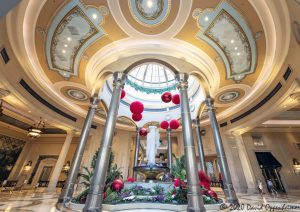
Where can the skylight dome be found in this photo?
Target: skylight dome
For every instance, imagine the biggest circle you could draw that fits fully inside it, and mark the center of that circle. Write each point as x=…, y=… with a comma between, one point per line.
x=152, y=78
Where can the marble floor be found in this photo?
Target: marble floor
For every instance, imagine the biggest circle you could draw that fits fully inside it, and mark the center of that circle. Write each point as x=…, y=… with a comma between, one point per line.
x=30, y=201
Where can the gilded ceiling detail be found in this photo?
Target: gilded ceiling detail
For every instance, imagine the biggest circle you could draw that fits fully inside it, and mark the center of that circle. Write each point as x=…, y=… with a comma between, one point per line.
x=150, y=12
x=73, y=29
x=227, y=32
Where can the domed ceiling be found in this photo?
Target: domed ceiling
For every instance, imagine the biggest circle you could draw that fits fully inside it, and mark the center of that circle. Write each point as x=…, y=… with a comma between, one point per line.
x=79, y=43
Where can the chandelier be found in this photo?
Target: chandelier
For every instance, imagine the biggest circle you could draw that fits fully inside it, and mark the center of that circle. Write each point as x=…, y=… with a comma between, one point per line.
x=36, y=130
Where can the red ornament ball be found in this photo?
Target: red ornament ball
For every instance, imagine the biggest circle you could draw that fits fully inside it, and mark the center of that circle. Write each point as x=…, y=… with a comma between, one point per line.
x=123, y=93
x=130, y=180
x=117, y=185
x=164, y=125
x=212, y=194
x=166, y=97
x=137, y=117
x=143, y=132
x=136, y=107
x=174, y=124
x=176, y=99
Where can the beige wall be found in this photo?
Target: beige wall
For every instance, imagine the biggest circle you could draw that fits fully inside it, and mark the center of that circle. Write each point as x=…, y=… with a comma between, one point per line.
x=283, y=146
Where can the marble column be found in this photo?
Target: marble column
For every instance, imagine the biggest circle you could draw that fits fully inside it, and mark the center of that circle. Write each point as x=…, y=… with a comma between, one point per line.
x=67, y=192
x=246, y=165
x=136, y=151
x=200, y=145
x=170, y=156
x=60, y=162
x=229, y=191
x=195, y=201
x=95, y=196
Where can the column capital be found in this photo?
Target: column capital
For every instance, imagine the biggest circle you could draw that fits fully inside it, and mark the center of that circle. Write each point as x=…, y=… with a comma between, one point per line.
x=197, y=121
x=119, y=79
x=182, y=79
x=137, y=129
x=94, y=100
x=169, y=130
x=71, y=132
x=209, y=103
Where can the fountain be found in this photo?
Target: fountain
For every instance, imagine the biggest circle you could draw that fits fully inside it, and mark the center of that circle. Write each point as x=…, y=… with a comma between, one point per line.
x=152, y=171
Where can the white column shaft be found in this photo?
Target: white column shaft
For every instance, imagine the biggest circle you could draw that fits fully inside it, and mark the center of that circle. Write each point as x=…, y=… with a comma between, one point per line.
x=60, y=162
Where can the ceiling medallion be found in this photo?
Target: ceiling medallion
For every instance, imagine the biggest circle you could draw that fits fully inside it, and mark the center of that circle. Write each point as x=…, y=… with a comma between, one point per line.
x=229, y=96
x=150, y=12
x=77, y=94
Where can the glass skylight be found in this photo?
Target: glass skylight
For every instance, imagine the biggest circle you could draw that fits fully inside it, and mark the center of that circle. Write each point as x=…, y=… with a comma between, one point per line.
x=152, y=78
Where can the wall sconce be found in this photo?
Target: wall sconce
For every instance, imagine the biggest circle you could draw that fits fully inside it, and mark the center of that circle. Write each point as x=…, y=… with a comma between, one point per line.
x=296, y=166
x=67, y=166
x=257, y=140
x=28, y=166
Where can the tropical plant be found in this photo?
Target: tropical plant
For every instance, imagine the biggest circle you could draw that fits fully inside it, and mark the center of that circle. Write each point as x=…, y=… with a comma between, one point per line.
x=178, y=169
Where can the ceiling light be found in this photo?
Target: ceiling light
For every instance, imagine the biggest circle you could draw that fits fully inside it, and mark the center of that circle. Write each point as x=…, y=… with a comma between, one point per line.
x=284, y=106
x=36, y=131
x=238, y=54
x=94, y=16
x=68, y=38
x=232, y=41
x=206, y=18
x=29, y=111
x=149, y=3
x=63, y=51
x=236, y=48
x=66, y=45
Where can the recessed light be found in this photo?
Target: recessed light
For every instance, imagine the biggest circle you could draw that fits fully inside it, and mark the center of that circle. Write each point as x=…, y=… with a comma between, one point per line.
x=63, y=51
x=206, y=18
x=232, y=41
x=149, y=3
x=66, y=45
x=94, y=16
x=236, y=48
x=238, y=54
x=284, y=106
x=29, y=111
x=68, y=38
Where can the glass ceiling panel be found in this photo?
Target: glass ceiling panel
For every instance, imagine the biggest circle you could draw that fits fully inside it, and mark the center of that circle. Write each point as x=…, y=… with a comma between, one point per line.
x=152, y=78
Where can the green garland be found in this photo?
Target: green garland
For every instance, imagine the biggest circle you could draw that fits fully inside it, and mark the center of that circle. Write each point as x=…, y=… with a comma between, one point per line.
x=150, y=90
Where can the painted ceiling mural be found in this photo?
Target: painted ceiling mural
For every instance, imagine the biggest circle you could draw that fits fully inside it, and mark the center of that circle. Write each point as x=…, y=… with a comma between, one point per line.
x=235, y=45
x=73, y=29
x=150, y=12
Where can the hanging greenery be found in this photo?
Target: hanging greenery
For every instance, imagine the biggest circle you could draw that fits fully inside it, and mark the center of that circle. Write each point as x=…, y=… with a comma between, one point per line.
x=150, y=90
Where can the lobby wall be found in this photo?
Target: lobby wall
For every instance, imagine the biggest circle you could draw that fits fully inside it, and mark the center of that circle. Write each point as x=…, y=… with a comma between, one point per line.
x=283, y=147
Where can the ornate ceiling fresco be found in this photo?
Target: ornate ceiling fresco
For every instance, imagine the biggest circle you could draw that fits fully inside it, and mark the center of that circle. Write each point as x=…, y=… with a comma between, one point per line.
x=72, y=30
x=228, y=33
x=78, y=43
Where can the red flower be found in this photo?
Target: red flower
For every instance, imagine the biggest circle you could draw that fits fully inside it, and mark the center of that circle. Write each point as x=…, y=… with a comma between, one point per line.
x=117, y=185
x=176, y=182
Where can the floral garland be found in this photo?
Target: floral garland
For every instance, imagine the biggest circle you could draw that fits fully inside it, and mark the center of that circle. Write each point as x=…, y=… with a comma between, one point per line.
x=150, y=90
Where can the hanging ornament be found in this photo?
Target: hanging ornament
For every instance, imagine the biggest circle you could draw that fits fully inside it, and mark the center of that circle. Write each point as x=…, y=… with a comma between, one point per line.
x=123, y=93
x=130, y=180
x=117, y=185
x=143, y=132
x=176, y=182
x=136, y=107
x=166, y=97
x=137, y=117
x=164, y=125
x=176, y=99
x=174, y=124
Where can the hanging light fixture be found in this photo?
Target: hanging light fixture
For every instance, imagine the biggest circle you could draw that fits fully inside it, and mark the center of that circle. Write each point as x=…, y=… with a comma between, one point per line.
x=67, y=167
x=36, y=130
x=28, y=166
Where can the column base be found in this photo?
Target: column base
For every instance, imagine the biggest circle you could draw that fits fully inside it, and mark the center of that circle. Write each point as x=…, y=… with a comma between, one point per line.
x=63, y=200
x=92, y=210
x=196, y=209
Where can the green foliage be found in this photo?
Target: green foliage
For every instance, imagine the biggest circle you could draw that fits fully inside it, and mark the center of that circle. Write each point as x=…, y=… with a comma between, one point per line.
x=178, y=168
x=181, y=195
x=157, y=190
